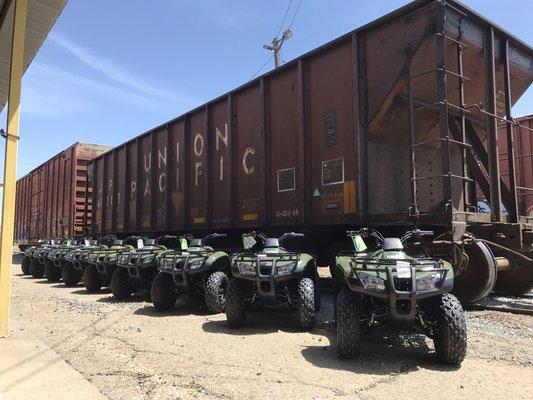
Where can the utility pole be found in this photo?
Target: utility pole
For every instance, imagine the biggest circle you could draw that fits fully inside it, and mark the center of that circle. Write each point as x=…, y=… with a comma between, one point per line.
x=275, y=46
x=10, y=165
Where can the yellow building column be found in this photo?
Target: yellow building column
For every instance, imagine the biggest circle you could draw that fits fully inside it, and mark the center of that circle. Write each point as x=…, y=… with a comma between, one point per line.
x=10, y=167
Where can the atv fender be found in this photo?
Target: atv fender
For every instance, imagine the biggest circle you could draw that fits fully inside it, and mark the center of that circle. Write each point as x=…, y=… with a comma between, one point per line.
x=304, y=261
x=218, y=258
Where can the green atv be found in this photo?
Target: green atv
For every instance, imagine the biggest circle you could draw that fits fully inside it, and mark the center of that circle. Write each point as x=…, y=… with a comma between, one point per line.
x=103, y=262
x=399, y=285
x=137, y=269
x=30, y=255
x=55, y=260
x=76, y=262
x=197, y=269
x=266, y=273
x=40, y=255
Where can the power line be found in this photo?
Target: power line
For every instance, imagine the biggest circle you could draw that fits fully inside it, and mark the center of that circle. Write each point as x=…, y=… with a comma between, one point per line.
x=284, y=18
x=295, y=13
x=278, y=42
x=262, y=66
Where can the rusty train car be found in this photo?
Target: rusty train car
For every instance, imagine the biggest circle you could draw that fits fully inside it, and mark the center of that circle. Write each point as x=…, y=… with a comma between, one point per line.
x=523, y=155
x=53, y=200
x=383, y=126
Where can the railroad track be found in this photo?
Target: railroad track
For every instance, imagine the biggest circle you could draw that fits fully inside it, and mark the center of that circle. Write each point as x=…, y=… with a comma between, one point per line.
x=511, y=310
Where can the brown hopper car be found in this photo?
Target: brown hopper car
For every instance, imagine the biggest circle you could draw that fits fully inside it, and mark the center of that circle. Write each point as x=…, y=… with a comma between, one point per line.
x=51, y=200
x=383, y=126
x=523, y=153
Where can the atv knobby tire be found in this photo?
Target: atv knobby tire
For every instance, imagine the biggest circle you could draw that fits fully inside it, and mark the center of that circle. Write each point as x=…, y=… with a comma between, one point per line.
x=215, y=292
x=235, y=309
x=449, y=334
x=348, y=324
x=51, y=272
x=91, y=279
x=306, y=303
x=71, y=277
x=163, y=292
x=26, y=265
x=37, y=269
x=120, y=284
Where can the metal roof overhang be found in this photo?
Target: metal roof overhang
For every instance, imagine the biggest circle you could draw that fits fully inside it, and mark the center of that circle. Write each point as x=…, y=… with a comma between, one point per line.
x=40, y=17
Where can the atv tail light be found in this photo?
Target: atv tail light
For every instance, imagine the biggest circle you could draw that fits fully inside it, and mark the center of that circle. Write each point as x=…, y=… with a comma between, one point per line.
x=246, y=269
x=429, y=282
x=371, y=282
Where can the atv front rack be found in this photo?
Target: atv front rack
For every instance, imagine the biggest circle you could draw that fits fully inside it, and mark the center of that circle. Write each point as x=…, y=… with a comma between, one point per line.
x=180, y=264
x=266, y=270
x=402, y=294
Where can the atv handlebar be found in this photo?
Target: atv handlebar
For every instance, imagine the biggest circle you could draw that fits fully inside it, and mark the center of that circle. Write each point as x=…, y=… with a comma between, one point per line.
x=288, y=235
x=367, y=233
x=256, y=234
x=282, y=238
x=164, y=237
x=211, y=236
x=416, y=234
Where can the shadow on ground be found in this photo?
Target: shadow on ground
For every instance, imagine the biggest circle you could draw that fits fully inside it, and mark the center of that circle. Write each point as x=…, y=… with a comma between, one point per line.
x=383, y=351
x=407, y=351
x=259, y=321
x=183, y=306
x=17, y=258
x=139, y=297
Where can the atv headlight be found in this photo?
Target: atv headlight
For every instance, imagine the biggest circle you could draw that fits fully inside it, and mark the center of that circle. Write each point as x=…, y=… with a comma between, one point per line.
x=285, y=269
x=196, y=264
x=148, y=259
x=371, y=282
x=429, y=282
x=246, y=269
x=123, y=259
x=165, y=263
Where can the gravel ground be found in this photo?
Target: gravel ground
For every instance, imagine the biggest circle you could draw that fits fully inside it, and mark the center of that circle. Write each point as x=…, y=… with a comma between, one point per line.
x=130, y=352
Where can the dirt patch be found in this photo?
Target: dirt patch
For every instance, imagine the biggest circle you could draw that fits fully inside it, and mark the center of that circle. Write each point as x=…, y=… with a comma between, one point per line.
x=129, y=351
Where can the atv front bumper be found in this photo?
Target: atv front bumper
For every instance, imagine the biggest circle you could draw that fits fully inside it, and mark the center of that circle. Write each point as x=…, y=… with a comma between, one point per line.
x=402, y=294
x=180, y=267
x=139, y=271
x=266, y=274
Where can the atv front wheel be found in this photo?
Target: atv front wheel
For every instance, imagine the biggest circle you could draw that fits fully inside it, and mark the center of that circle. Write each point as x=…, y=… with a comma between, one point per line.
x=215, y=292
x=91, y=279
x=71, y=277
x=51, y=272
x=163, y=292
x=120, y=284
x=235, y=310
x=37, y=269
x=26, y=265
x=348, y=324
x=306, y=303
x=449, y=334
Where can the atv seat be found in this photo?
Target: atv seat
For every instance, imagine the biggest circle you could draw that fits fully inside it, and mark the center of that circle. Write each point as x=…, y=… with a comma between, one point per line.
x=196, y=243
x=392, y=244
x=272, y=242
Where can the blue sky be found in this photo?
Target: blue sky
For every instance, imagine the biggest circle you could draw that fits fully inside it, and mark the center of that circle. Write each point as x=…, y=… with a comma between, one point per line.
x=112, y=69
